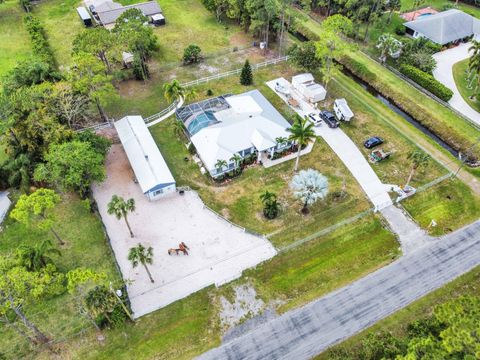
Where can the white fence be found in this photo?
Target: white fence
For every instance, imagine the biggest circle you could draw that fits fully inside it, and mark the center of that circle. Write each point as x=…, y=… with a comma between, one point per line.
x=234, y=72
x=104, y=125
x=161, y=113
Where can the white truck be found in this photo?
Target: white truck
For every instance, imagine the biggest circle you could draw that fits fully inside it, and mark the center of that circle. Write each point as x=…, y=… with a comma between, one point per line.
x=342, y=110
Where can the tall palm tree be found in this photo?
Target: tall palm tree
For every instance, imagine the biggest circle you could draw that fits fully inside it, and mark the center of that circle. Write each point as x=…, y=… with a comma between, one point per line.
x=191, y=94
x=419, y=159
x=120, y=208
x=220, y=164
x=34, y=257
x=178, y=128
x=141, y=255
x=474, y=62
x=302, y=133
x=173, y=91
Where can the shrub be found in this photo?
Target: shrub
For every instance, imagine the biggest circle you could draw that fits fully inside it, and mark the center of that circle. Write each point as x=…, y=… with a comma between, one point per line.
x=305, y=32
x=209, y=92
x=40, y=45
x=400, y=29
x=421, y=60
x=192, y=54
x=427, y=81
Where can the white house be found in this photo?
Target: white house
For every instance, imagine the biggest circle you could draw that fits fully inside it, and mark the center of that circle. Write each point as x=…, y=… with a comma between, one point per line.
x=151, y=170
x=242, y=124
x=445, y=27
x=305, y=84
x=342, y=110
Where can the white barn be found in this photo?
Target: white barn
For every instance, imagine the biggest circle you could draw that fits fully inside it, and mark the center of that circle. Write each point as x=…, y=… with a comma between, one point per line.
x=305, y=84
x=151, y=170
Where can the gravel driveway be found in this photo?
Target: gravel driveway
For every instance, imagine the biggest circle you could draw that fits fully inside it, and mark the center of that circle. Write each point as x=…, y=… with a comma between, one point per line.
x=219, y=252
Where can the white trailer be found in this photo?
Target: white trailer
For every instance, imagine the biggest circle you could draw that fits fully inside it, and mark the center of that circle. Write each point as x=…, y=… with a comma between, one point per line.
x=342, y=110
x=305, y=84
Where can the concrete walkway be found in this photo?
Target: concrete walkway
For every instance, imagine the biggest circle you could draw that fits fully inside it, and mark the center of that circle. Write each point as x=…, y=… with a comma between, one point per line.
x=305, y=332
x=410, y=235
x=444, y=73
x=345, y=149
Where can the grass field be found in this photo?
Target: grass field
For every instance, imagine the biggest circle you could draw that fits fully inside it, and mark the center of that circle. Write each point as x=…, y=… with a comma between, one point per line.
x=467, y=284
x=451, y=204
x=294, y=278
x=86, y=246
x=14, y=40
x=459, y=74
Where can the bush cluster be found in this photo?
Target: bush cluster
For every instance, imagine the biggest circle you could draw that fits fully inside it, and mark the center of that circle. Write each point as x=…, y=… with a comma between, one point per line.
x=427, y=81
x=40, y=45
x=358, y=69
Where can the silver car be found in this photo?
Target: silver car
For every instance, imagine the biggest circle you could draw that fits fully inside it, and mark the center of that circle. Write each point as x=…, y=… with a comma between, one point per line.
x=315, y=118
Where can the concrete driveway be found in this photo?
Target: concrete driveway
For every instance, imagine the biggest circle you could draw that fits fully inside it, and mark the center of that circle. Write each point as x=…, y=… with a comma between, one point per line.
x=444, y=73
x=303, y=333
x=219, y=251
x=345, y=149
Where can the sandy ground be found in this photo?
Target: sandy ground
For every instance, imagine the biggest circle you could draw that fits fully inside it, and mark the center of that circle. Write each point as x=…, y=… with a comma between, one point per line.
x=219, y=252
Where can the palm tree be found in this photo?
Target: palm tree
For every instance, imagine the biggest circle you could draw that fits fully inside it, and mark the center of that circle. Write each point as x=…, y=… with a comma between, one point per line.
x=19, y=169
x=309, y=186
x=281, y=141
x=120, y=208
x=474, y=62
x=236, y=159
x=302, y=133
x=270, y=204
x=141, y=255
x=388, y=46
x=220, y=164
x=37, y=256
x=178, y=128
x=173, y=91
x=191, y=94
x=419, y=159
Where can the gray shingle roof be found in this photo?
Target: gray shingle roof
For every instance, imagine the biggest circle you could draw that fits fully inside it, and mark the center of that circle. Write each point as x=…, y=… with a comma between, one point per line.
x=147, y=8
x=446, y=26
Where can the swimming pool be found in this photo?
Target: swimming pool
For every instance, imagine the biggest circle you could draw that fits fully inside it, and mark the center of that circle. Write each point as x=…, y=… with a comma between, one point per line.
x=201, y=121
x=424, y=15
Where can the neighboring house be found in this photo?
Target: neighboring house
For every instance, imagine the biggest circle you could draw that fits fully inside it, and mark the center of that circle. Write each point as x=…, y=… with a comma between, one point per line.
x=305, y=84
x=151, y=170
x=106, y=12
x=244, y=124
x=445, y=27
x=4, y=205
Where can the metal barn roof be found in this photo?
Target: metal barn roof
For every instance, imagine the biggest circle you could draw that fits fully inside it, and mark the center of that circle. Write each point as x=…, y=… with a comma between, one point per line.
x=446, y=26
x=147, y=162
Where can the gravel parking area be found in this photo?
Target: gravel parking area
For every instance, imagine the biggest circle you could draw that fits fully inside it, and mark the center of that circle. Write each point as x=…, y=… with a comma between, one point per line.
x=219, y=251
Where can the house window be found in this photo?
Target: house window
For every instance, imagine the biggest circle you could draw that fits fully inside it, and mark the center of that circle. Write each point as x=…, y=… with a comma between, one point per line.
x=158, y=192
x=247, y=152
x=231, y=165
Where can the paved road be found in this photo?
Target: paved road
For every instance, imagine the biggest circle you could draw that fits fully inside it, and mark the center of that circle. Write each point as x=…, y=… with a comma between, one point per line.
x=305, y=332
x=444, y=73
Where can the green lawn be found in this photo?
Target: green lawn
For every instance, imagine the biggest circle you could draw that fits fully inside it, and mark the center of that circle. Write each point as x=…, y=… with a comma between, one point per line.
x=294, y=277
x=14, y=40
x=466, y=284
x=460, y=74
x=373, y=118
x=86, y=246
x=451, y=204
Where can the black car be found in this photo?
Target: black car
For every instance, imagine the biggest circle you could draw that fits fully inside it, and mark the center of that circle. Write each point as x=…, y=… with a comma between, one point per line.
x=329, y=119
x=372, y=142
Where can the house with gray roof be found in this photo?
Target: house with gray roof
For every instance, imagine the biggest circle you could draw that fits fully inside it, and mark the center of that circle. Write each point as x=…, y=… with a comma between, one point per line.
x=107, y=12
x=445, y=27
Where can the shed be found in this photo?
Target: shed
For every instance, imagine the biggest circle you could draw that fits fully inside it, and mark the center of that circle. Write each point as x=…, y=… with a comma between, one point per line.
x=342, y=110
x=4, y=205
x=305, y=84
x=84, y=16
x=158, y=19
x=151, y=170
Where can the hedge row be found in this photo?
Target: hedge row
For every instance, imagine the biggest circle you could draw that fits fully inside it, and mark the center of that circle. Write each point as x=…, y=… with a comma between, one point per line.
x=439, y=122
x=360, y=70
x=426, y=81
x=40, y=45
x=305, y=32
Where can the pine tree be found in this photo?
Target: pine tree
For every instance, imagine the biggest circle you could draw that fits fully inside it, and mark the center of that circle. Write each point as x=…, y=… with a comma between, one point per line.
x=246, y=76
